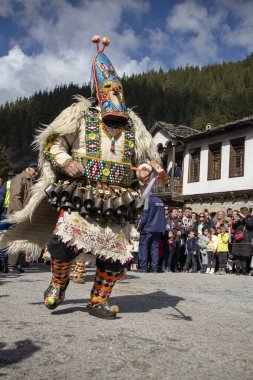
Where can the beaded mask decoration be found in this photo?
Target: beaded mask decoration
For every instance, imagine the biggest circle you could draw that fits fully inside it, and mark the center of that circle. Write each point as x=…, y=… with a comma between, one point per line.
x=107, y=84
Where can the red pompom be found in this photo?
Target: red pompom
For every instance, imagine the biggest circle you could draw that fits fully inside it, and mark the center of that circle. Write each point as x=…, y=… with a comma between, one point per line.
x=96, y=39
x=106, y=41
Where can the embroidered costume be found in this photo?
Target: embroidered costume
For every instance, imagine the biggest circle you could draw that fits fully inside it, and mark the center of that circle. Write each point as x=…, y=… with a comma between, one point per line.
x=96, y=209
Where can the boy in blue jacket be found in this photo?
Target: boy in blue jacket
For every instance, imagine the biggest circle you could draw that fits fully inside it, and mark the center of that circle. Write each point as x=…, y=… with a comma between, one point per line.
x=192, y=249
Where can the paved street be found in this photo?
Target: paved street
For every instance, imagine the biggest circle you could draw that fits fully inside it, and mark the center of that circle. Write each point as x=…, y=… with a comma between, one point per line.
x=171, y=326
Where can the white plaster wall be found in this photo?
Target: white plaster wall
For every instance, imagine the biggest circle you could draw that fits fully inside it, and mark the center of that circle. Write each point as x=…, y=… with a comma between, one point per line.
x=225, y=183
x=160, y=137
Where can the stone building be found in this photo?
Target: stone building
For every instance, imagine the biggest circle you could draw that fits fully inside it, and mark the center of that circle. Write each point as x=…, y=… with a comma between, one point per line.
x=215, y=165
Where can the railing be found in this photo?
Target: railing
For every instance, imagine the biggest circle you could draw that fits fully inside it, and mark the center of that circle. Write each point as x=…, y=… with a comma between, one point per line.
x=174, y=186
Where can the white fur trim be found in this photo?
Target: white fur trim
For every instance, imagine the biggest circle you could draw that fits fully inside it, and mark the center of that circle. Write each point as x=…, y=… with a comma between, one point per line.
x=145, y=148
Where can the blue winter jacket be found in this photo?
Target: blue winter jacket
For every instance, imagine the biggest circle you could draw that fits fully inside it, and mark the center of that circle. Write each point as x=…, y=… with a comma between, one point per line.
x=153, y=219
x=192, y=245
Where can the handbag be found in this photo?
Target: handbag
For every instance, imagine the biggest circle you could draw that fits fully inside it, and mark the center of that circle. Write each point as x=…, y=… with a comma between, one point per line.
x=239, y=235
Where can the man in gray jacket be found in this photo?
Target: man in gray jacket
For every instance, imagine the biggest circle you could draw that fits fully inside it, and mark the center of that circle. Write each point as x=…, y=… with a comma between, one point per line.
x=20, y=189
x=20, y=194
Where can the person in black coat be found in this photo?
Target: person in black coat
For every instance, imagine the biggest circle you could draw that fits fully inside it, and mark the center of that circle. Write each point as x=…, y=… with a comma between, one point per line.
x=151, y=226
x=242, y=250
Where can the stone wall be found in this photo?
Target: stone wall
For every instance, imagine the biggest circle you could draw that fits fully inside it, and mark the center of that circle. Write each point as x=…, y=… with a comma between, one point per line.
x=217, y=205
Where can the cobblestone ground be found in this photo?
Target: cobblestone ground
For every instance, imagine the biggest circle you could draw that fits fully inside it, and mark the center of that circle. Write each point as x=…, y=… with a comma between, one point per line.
x=171, y=326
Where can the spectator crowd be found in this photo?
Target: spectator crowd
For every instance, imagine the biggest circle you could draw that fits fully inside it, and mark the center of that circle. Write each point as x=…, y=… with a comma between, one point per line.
x=174, y=239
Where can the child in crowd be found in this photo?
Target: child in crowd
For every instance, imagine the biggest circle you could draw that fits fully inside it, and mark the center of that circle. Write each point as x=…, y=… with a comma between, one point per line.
x=192, y=251
x=168, y=253
x=211, y=251
x=203, y=241
x=222, y=249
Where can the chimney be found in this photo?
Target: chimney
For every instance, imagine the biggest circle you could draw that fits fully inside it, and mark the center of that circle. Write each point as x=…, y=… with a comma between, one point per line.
x=209, y=126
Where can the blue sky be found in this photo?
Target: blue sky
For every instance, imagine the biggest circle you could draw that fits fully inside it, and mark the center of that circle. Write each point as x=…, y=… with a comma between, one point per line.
x=44, y=43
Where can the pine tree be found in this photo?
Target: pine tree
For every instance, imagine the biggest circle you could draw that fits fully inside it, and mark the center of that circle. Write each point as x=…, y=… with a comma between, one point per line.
x=4, y=163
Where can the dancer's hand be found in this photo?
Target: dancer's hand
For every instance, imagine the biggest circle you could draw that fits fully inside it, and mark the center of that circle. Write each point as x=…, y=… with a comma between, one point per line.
x=74, y=169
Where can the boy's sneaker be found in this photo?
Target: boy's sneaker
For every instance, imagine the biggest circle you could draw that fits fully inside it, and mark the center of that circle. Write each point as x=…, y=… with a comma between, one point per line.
x=208, y=270
x=193, y=271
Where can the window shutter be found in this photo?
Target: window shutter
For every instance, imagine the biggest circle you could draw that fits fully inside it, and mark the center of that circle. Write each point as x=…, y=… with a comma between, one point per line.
x=236, y=159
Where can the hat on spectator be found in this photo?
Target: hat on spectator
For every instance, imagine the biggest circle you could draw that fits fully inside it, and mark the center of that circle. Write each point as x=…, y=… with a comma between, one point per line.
x=32, y=165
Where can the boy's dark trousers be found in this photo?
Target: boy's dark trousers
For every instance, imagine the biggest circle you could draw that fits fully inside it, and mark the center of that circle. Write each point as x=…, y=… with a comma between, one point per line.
x=222, y=257
x=211, y=259
x=191, y=258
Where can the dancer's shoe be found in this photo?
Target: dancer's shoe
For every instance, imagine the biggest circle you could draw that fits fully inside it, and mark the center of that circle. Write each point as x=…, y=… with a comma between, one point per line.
x=54, y=295
x=102, y=310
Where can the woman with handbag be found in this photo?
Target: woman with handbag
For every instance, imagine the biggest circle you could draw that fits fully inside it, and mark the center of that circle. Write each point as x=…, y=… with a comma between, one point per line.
x=242, y=242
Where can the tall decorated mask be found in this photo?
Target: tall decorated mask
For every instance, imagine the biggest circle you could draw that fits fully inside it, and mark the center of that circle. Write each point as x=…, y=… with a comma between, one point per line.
x=107, y=84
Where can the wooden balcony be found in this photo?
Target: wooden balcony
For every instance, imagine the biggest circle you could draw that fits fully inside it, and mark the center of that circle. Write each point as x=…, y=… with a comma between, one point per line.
x=173, y=191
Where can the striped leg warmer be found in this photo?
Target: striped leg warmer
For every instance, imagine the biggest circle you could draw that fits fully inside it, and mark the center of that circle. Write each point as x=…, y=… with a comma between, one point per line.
x=60, y=272
x=79, y=272
x=103, y=285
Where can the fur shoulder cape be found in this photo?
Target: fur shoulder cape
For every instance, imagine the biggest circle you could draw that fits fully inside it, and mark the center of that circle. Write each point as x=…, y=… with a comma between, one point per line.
x=68, y=122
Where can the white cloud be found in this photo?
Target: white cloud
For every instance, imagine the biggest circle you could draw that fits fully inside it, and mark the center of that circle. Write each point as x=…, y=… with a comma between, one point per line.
x=198, y=31
x=240, y=34
x=158, y=40
x=5, y=8
x=195, y=30
x=62, y=33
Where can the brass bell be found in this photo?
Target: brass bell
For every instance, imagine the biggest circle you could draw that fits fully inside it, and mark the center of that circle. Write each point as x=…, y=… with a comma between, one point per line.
x=55, y=204
x=67, y=191
x=108, y=208
x=57, y=191
x=50, y=189
x=68, y=206
x=88, y=199
x=77, y=198
x=120, y=209
x=84, y=212
x=132, y=214
x=98, y=206
x=128, y=199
